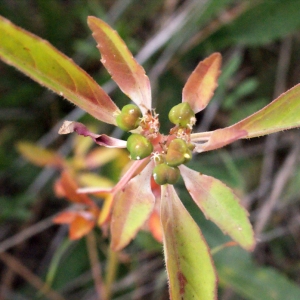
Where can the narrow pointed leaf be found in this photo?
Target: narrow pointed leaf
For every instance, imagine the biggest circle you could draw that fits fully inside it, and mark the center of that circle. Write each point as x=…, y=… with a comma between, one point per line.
x=49, y=67
x=100, y=139
x=80, y=226
x=190, y=268
x=121, y=65
x=133, y=206
x=155, y=226
x=220, y=205
x=40, y=156
x=106, y=210
x=80, y=223
x=282, y=113
x=69, y=188
x=202, y=83
x=65, y=217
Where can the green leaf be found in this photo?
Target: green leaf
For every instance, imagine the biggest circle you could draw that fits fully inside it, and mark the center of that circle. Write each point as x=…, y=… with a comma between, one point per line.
x=220, y=205
x=56, y=260
x=73, y=264
x=49, y=67
x=132, y=207
x=119, y=62
x=189, y=264
x=261, y=23
x=245, y=88
x=282, y=113
x=9, y=212
x=237, y=270
x=202, y=83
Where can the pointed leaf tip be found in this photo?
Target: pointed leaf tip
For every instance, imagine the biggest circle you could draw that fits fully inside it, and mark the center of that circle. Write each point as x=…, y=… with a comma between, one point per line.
x=202, y=83
x=281, y=114
x=42, y=62
x=80, y=227
x=69, y=188
x=119, y=62
x=220, y=205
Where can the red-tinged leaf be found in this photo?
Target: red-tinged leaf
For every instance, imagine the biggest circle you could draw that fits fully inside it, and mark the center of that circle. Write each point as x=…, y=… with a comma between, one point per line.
x=121, y=65
x=69, y=187
x=190, y=267
x=40, y=156
x=220, y=205
x=49, y=67
x=81, y=222
x=80, y=226
x=155, y=226
x=65, y=217
x=58, y=189
x=202, y=83
x=100, y=139
x=282, y=113
x=132, y=207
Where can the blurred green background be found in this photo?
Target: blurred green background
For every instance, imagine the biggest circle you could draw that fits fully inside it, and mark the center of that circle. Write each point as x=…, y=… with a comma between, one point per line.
x=260, y=44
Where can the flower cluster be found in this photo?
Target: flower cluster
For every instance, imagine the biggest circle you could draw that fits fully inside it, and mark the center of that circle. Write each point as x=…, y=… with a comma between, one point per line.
x=156, y=156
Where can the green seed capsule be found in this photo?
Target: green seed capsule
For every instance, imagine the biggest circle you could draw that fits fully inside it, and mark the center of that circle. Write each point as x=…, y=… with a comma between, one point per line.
x=129, y=118
x=164, y=174
x=191, y=146
x=178, y=153
x=182, y=114
x=138, y=146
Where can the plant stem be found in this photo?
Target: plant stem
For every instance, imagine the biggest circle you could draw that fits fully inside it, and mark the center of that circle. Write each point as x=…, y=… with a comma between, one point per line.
x=96, y=266
x=111, y=271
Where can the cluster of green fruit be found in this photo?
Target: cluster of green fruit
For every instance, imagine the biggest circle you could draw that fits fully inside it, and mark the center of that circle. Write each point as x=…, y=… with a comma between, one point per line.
x=177, y=151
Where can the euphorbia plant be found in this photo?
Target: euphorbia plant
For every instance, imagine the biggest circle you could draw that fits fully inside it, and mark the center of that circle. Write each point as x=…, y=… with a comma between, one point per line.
x=158, y=159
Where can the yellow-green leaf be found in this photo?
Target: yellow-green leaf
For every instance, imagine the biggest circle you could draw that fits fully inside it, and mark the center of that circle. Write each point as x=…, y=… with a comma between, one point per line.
x=101, y=156
x=119, y=62
x=40, y=156
x=87, y=179
x=133, y=206
x=45, y=64
x=190, y=268
x=220, y=205
x=282, y=113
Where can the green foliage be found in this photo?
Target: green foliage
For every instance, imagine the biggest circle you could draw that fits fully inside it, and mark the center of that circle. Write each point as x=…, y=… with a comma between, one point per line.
x=237, y=269
x=74, y=261
x=273, y=20
x=8, y=208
